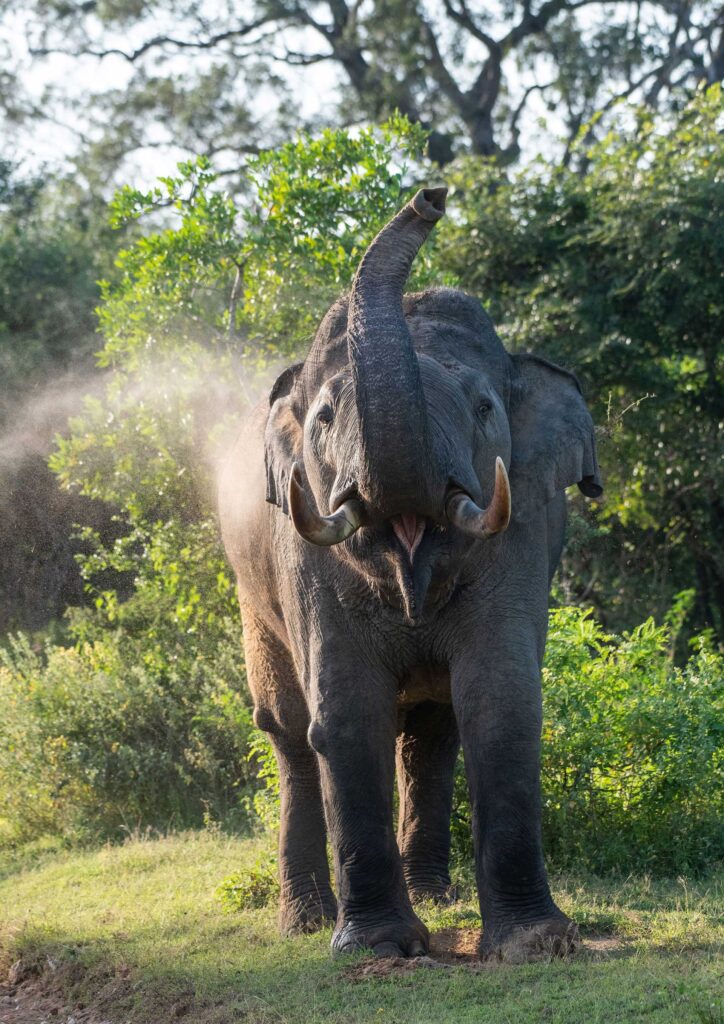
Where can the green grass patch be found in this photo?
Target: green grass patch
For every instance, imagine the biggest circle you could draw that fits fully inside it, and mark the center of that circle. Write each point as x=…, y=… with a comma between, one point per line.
x=137, y=933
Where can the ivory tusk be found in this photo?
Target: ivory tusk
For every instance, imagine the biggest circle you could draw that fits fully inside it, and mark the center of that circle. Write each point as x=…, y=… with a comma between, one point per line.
x=479, y=522
x=321, y=530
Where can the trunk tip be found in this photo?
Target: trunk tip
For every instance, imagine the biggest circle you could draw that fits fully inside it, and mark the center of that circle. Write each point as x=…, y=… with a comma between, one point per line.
x=429, y=203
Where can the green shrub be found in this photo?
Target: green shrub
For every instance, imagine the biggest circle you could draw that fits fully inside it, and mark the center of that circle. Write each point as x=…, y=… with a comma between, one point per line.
x=632, y=756
x=264, y=804
x=633, y=766
x=250, y=890
x=632, y=763
x=122, y=732
x=144, y=720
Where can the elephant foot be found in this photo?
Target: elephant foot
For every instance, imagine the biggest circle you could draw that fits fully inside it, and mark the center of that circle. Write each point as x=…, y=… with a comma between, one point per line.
x=304, y=914
x=398, y=935
x=553, y=936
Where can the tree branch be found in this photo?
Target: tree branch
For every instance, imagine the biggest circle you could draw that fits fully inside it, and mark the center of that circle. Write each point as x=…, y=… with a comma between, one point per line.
x=464, y=18
x=663, y=71
x=299, y=59
x=155, y=42
x=531, y=24
x=439, y=70
x=521, y=106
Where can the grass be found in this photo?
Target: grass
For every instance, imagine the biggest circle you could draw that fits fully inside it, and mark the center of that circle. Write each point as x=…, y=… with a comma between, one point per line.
x=135, y=933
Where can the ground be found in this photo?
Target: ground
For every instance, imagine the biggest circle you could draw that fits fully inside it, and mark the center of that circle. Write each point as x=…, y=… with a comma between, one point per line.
x=134, y=934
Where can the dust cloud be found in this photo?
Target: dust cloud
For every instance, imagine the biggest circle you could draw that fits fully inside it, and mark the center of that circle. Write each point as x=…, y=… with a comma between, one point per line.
x=39, y=577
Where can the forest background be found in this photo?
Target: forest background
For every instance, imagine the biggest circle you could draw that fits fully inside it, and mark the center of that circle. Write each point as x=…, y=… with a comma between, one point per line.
x=180, y=201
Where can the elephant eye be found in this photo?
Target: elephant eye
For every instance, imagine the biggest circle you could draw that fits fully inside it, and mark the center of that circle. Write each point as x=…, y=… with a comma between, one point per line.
x=325, y=415
x=485, y=407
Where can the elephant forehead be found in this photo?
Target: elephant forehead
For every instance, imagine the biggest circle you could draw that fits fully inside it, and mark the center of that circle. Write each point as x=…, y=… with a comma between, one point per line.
x=455, y=345
x=448, y=387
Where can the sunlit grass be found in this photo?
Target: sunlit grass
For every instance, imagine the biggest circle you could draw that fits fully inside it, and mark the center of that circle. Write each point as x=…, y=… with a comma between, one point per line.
x=137, y=931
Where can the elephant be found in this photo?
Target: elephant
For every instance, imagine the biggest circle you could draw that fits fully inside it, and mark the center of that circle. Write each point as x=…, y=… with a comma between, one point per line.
x=394, y=514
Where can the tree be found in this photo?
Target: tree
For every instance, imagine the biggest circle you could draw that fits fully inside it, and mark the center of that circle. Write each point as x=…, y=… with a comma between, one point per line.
x=52, y=242
x=468, y=71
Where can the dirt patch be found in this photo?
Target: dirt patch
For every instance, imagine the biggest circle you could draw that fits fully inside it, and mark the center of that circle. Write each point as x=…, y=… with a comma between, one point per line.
x=31, y=1003
x=458, y=947
x=37, y=993
x=601, y=946
x=385, y=967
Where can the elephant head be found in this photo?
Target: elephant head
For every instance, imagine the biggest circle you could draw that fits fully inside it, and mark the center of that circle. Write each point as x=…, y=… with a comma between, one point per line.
x=409, y=435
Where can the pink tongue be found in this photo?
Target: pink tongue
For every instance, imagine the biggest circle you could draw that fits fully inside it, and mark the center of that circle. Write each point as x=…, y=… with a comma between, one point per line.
x=408, y=530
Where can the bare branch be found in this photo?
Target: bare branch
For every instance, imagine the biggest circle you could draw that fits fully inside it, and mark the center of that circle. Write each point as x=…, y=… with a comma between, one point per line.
x=300, y=59
x=439, y=70
x=662, y=72
x=155, y=42
x=532, y=24
x=521, y=106
x=464, y=18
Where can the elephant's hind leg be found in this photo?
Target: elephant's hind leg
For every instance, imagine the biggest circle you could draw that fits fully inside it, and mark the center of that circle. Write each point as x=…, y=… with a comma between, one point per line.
x=427, y=750
x=306, y=900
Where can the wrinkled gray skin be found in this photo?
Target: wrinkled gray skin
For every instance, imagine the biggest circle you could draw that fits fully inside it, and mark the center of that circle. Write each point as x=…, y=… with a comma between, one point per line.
x=367, y=652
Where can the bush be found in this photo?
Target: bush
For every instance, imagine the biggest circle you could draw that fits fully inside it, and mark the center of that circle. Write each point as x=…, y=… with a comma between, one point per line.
x=127, y=731
x=144, y=720
x=633, y=766
x=632, y=763
x=255, y=888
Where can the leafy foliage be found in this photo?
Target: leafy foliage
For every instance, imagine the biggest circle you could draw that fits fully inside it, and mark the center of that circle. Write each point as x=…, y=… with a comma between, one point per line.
x=144, y=720
x=262, y=271
x=617, y=274
x=54, y=244
x=256, y=887
x=265, y=803
x=633, y=759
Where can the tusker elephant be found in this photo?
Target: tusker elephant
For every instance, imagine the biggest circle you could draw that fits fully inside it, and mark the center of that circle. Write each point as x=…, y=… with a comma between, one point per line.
x=394, y=514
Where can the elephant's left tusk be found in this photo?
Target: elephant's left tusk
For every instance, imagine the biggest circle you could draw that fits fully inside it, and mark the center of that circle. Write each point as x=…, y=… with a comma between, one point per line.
x=321, y=530
x=479, y=522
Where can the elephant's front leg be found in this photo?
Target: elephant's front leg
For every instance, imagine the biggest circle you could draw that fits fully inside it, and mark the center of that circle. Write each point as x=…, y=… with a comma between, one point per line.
x=354, y=717
x=497, y=700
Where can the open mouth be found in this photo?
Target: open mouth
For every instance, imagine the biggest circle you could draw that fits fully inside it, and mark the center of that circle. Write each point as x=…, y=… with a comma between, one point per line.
x=409, y=529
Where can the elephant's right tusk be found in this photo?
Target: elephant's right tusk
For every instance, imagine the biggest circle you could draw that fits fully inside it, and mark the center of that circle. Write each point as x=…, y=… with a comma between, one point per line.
x=321, y=530
x=482, y=522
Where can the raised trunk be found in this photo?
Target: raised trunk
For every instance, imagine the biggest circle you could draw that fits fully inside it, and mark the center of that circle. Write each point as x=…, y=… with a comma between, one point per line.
x=395, y=473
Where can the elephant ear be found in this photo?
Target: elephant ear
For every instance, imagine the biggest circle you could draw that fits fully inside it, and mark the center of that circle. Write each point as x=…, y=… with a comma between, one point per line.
x=283, y=436
x=553, y=438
